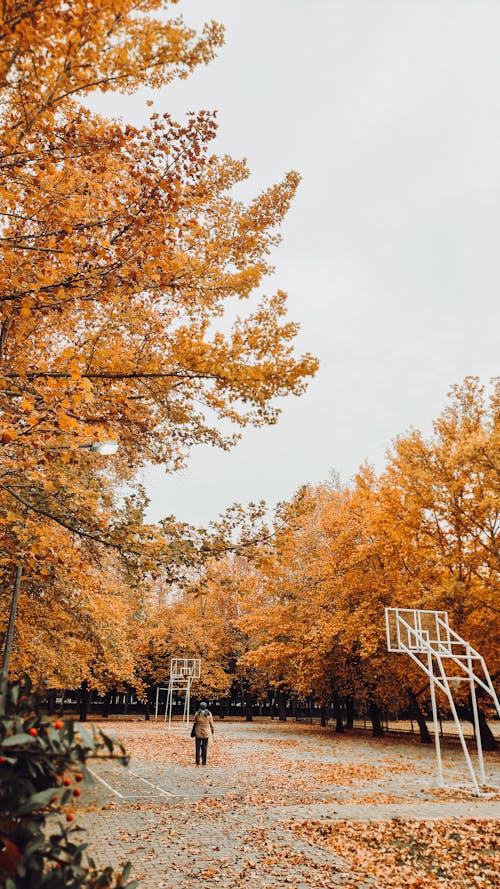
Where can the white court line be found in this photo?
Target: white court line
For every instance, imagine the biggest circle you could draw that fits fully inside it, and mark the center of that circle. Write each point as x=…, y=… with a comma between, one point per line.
x=151, y=784
x=105, y=783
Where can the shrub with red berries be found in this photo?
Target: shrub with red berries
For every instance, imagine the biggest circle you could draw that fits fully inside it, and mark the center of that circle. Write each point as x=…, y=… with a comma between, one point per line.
x=37, y=758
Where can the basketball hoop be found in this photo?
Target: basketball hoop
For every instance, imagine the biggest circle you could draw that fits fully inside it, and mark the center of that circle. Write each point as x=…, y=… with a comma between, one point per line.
x=428, y=639
x=183, y=670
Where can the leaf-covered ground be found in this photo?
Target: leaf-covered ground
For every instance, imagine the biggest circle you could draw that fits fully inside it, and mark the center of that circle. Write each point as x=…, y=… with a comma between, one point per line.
x=291, y=806
x=445, y=854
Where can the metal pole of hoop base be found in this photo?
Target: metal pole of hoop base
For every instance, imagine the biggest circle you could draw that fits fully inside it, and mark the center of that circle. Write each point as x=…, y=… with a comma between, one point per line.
x=450, y=660
x=477, y=727
x=168, y=707
x=446, y=687
x=187, y=701
x=437, y=742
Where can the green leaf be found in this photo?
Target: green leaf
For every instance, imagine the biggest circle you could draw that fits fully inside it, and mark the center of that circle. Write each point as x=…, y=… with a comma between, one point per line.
x=35, y=844
x=21, y=738
x=68, y=731
x=38, y=801
x=126, y=870
x=53, y=736
x=108, y=741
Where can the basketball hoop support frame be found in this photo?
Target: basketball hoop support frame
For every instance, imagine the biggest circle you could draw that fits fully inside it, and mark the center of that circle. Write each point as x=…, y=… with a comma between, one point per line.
x=182, y=673
x=428, y=634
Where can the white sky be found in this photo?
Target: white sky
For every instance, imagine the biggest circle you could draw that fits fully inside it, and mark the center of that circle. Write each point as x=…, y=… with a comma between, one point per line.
x=390, y=111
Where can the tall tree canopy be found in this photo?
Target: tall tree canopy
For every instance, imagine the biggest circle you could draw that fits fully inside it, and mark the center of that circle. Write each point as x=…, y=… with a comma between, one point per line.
x=121, y=248
x=421, y=534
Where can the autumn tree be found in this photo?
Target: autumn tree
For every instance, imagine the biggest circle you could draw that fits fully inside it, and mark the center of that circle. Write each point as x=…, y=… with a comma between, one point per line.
x=318, y=630
x=443, y=497
x=422, y=534
x=121, y=248
x=281, y=620
x=199, y=614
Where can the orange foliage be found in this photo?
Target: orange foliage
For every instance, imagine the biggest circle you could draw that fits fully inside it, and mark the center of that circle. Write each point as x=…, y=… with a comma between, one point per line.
x=423, y=534
x=120, y=249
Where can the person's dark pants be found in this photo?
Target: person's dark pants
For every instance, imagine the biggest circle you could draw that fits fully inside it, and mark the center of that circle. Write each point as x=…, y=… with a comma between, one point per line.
x=201, y=747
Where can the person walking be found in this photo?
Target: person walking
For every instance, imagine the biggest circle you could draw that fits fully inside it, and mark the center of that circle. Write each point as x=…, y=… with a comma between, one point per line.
x=203, y=724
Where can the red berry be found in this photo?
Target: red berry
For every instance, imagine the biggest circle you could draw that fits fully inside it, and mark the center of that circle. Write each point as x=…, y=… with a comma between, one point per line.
x=54, y=798
x=58, y=725
x=67, y=782
x=77, y=791
x=2, y=760
x=78, y=776
x=70, y=816
x=33, y=732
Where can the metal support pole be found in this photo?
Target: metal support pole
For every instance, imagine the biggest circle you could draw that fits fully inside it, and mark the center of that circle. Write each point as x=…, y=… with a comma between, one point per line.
x=458, y=724
x=168, y=707
x=477, y=727
x=437, y=742
x=9, y=639
x=420, y=632
x=157, y=702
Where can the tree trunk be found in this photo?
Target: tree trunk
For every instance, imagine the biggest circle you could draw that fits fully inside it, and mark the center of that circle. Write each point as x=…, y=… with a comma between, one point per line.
x=349, y=707
x=51, y=703
x=105, y=705
x=417, y=714
x=61, y=707
x=339, y=725
x=84, y=701
x=223, y=708
x=322, y=716
x=488, y=740
x=281, y=701
x=149, y=704
x=374, y=714
x=271, y=706
x=248, y=707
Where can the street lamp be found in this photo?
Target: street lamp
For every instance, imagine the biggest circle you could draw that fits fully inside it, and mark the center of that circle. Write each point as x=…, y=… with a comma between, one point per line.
x=104, y=448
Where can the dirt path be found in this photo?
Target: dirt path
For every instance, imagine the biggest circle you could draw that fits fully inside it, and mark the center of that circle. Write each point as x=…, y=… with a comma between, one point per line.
x=281, y=805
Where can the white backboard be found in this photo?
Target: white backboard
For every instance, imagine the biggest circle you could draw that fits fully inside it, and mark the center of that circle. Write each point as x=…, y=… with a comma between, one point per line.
x=415, y=629
x=185, y=668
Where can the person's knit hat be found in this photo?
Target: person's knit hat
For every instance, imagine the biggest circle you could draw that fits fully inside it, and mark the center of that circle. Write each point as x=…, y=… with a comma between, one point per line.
x=203, y=705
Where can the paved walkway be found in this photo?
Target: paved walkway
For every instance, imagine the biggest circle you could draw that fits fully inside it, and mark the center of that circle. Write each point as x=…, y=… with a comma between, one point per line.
x=262, y=812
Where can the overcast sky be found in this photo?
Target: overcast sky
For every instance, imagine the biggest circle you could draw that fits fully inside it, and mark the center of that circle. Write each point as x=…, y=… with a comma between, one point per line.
x=390, y=255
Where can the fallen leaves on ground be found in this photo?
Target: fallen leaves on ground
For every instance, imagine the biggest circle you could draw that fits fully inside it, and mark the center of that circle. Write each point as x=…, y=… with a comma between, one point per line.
x=225, y=825
x=282, y=778
x=407, y=854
